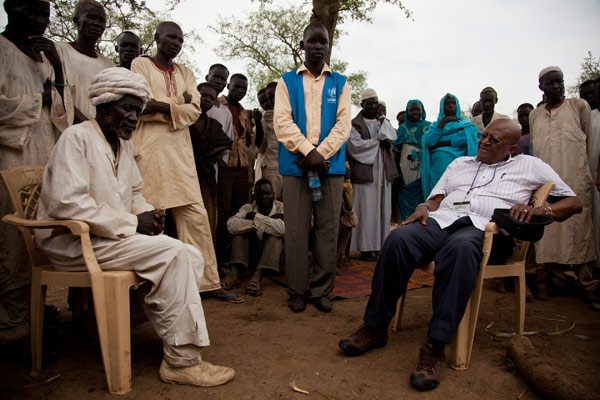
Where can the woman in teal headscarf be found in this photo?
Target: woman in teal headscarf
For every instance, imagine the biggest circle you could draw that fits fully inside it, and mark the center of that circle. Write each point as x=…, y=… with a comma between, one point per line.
x=450, y=137
x=407, y=148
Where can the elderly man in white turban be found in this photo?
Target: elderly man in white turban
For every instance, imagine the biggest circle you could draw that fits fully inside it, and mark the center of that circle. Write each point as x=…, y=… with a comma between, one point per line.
x=561, y=132
x=372, y=170
x=92, y=176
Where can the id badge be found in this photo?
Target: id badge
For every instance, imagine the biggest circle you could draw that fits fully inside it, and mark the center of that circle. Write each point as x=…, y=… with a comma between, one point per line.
x=462, y=207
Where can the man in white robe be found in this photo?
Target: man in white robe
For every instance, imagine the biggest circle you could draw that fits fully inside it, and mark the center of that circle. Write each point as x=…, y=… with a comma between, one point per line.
x=92, y=176
x=561, y=133
x=32, y=115
x=82, y=61
x=372, y=171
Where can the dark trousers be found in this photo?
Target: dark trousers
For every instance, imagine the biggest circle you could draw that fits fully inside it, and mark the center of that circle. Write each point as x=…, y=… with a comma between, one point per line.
x=299, y=207
x=233, y=191
x=457, y=253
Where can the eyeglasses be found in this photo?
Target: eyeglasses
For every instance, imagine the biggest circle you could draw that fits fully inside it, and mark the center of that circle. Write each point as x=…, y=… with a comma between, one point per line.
x=491, y=139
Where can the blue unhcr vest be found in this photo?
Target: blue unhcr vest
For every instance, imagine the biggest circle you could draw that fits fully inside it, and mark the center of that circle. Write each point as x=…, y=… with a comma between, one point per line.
x=334, y=83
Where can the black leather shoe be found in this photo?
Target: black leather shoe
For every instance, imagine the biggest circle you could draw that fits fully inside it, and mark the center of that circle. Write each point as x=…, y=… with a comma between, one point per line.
x=297, y=303
x=323, y=304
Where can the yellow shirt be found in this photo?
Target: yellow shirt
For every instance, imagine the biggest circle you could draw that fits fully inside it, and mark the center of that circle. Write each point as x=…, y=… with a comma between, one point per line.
x=288, y=132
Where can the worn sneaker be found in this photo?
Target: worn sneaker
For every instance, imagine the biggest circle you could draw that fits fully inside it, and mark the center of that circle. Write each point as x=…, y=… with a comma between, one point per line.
x=204, y=374
x=428, y=372
x=365, y=338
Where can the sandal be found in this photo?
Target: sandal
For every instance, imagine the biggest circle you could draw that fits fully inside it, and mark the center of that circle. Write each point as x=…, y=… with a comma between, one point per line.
x=227, y=283
x=253, y=288
x=230, y=297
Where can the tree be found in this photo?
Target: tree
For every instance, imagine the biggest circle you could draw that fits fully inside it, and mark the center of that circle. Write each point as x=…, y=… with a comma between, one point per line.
x=122, y=15
x=590, y=70
x=333, y=12
x=270, y=38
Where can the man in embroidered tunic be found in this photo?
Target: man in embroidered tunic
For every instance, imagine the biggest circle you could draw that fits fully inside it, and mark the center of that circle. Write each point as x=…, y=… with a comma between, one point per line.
x=92, y=176
x=449, y=229
x=163, y=148
x=81, y=60
x=372, y=170
x=561, y=134
x=32, y=116
x=312, y=123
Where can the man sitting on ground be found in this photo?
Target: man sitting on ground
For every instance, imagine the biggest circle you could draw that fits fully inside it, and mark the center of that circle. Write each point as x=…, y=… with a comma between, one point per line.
x=92, y=176
x=448, y=229
x=259, y=226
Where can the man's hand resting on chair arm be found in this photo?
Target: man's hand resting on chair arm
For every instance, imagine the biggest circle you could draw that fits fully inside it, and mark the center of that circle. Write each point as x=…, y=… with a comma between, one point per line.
x=559, y=209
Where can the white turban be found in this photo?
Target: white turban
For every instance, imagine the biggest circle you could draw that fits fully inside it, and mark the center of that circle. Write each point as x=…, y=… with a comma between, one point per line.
x=368, y=93
x=111, y=84
x=549, y=69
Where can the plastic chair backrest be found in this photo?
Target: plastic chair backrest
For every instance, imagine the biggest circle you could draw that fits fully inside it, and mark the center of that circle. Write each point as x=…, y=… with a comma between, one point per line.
x=24, y=186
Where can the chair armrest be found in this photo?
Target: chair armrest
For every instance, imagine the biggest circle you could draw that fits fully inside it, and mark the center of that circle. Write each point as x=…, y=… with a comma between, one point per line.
x=492, y=227
x=76, y=227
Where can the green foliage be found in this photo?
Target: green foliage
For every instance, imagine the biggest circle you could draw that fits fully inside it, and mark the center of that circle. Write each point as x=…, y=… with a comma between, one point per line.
x=122, y=15
x=590, y=70
x=270, y=39
x=360, y=10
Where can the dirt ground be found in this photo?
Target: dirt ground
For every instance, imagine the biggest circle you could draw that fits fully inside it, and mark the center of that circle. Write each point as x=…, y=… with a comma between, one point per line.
x=270, y=347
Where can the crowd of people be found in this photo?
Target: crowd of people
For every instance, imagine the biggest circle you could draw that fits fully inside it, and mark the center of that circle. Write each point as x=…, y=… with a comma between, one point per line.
x=141, y=148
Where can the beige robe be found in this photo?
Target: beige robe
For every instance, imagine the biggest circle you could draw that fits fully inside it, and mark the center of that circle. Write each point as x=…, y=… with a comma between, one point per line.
x=83, y=180
x=165, y=157
x=79, y=71
x=478, y=120
x=561, y=138
x=163, y=148
x=28, y=132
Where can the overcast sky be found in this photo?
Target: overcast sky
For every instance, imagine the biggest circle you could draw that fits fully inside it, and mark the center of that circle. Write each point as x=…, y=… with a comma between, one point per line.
x=455, y=46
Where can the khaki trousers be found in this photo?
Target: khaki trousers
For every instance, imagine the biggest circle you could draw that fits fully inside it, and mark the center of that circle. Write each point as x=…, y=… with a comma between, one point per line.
x=270, y=253
x=193, y=228
x=299, y=206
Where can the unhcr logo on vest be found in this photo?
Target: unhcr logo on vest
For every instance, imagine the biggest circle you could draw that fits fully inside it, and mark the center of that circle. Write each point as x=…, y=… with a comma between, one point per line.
x=331, y=95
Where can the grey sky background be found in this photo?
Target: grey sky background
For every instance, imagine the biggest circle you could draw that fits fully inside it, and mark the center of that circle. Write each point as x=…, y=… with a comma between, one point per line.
x=456, y=46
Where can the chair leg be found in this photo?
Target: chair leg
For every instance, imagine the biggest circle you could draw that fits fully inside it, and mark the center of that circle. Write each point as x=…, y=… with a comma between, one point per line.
x=119, y=337
x=399, y=310
x=38, y=301
x=462, y=341
x=520, y=296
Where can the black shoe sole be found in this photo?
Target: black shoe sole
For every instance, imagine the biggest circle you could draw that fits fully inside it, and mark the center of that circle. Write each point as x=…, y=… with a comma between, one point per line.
x=354, y=351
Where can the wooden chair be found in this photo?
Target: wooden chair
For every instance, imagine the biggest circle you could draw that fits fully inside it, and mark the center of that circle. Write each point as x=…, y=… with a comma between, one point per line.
x=110, y=289
x=462, y=341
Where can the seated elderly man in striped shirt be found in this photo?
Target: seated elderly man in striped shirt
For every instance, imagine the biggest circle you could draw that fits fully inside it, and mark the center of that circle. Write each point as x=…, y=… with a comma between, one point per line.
x=449, y=229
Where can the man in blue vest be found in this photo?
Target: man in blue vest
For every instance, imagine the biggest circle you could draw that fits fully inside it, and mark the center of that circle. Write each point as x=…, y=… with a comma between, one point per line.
x=312, y=123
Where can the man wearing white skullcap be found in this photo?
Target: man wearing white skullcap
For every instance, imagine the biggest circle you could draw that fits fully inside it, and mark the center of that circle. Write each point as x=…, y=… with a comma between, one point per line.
x=560, y=135
x=92, y=176
x=372, y=170
x=33, y=113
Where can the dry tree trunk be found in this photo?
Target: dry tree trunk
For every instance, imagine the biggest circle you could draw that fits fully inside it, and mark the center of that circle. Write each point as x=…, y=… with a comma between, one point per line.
x=326, y=12
x=547, y=382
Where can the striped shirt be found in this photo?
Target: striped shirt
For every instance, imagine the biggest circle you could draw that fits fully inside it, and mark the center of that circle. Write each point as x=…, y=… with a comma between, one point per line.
x=489, y=186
